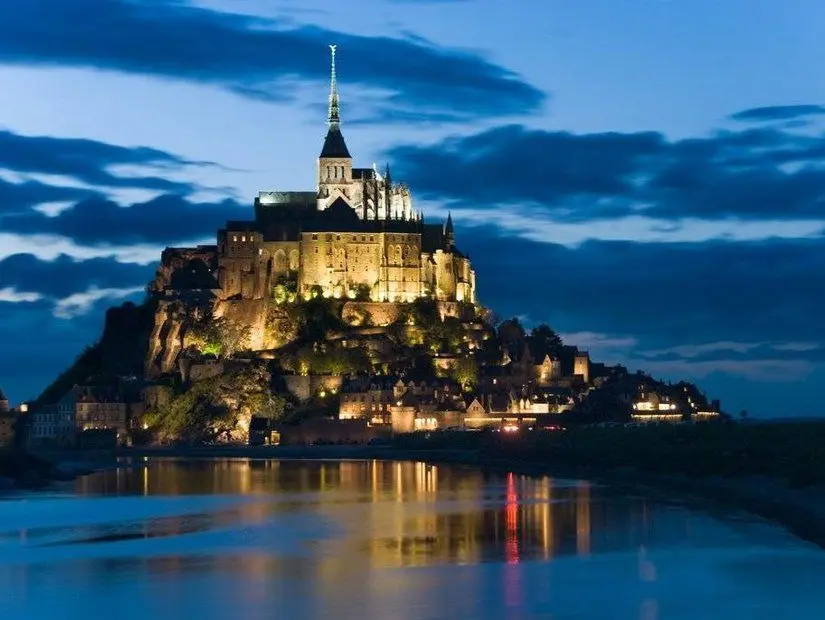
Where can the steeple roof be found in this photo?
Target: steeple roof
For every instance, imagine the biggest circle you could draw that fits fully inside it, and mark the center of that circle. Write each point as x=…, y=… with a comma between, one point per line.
x=334, y=145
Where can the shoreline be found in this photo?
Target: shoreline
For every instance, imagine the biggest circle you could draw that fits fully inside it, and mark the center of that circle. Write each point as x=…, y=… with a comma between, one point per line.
x=800, y=511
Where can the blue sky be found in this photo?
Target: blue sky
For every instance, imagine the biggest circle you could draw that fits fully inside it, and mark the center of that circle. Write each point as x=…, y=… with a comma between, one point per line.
x=645, y=175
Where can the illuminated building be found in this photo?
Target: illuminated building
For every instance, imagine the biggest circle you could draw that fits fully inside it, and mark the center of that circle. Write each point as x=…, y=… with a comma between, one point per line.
x=355, y=236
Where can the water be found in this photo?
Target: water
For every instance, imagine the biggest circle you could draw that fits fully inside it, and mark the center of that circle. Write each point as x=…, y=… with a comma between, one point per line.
x=327, y=539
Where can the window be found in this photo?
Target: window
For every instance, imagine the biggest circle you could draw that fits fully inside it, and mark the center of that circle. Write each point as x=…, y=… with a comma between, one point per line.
x=315, y=238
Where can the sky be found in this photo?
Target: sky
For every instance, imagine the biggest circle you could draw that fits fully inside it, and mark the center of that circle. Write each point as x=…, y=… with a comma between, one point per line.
x=646, y=176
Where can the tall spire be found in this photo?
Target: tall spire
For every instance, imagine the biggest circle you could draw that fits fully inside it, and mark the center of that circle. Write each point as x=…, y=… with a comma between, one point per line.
x=333, y=118
x=334, y=145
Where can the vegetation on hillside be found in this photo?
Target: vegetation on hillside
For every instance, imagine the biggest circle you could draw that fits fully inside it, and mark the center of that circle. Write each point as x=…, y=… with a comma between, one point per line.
x=218, y=408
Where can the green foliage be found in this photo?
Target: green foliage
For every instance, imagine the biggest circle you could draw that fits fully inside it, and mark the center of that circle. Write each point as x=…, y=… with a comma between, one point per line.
x=216, y=408
x=285, y=289
x=220, y=337
x=315, y=291
x=362, y=292
x=319, y=317
x=328, y=360
x=465, y=371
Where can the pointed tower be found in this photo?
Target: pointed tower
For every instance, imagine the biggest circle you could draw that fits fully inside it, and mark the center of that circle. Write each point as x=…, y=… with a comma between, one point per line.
x=387, y=191
x=335, y=162
x=449, y=234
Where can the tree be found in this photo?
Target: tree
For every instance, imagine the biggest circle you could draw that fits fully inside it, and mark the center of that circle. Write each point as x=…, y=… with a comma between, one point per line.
x=285, y=289
x=362, y=292
x=220, y=337
x=465, y=371
x=546, y=341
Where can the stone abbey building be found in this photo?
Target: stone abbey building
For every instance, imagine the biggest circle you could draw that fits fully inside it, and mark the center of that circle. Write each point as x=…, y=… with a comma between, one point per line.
x=355, y=236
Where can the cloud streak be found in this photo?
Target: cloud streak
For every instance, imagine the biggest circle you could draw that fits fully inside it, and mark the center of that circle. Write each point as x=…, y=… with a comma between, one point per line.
x=755, y=174
x=89, y=162
x=254, y=57
x=167, y=219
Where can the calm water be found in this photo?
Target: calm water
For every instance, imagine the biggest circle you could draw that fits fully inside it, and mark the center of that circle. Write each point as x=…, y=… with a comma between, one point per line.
x=328, y=539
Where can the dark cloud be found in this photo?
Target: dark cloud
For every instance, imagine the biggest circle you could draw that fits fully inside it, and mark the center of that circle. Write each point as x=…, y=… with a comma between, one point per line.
x=778, y=113
x=89, y=161
x=167, y=219
x=251, y=56
x=755, y=173
x=64, y=276
x=649, y=304
x=662, y=294
x=37, y=344
x=19, y=197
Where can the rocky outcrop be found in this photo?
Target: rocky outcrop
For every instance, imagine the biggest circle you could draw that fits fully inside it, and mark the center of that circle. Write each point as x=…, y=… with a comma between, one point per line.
x=165, y=340
x=250, y=313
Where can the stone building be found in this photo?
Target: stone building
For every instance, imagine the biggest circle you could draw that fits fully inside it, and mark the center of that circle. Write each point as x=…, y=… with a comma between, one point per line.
x=356, y=235
x=94, y=408
x=51, y=426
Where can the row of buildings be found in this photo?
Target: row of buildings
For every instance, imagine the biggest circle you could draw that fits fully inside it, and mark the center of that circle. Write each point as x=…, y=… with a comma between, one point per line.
x=61, y=425
x=517, y=397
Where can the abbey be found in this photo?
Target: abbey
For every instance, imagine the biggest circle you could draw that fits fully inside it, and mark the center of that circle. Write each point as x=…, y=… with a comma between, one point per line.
x=355, y=236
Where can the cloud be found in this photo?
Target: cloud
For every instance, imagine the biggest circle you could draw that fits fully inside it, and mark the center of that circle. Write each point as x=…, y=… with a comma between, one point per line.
x=11, y=295
x=166, y=219
x=797, y=346
x=49, y=247
x=596, y=341
x=762, y=370
x=696, y=350
x=64, y=277
x=753, y=174
x=87, y=161
x=662, y=294
x=19, y=197
x=254, y=57
x=778, y=113
x=78, y=304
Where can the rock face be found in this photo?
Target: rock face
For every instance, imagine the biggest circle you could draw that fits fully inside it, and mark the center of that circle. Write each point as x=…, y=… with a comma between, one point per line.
x=172, y=319
x=165, y=339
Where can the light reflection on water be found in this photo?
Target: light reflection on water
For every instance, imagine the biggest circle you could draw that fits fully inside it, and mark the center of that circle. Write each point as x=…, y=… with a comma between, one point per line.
x=351, y=539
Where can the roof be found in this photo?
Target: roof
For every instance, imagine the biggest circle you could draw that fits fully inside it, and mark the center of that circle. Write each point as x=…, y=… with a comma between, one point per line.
x=363, y=173
x=2, y=396
x=338, y=217
x=334, y=145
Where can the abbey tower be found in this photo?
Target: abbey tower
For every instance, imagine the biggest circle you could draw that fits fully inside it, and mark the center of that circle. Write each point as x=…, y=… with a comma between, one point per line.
x=354, y=236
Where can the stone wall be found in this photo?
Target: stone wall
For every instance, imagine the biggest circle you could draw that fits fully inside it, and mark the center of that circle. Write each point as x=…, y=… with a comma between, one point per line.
x=303, y=387
x=379, y=313
x=249, y=312
x=329, y=431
